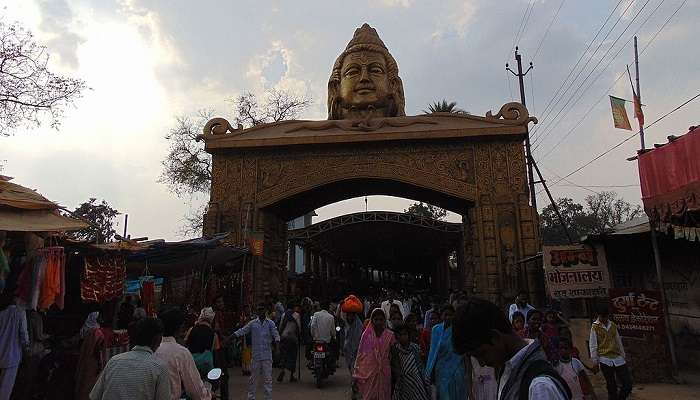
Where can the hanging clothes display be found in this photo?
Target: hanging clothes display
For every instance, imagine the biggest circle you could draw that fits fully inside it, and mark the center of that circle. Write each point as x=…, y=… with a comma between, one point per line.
x=148, y=295
x=52, y=290
x=31, y=279
x=103, y=278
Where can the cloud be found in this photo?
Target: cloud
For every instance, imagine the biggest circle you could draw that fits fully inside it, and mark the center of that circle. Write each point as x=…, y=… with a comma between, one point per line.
x=57, y=23
x=397, y=3
x=456, y=21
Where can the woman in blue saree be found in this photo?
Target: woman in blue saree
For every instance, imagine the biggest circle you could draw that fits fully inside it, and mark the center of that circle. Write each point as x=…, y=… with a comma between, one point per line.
x=445, y=368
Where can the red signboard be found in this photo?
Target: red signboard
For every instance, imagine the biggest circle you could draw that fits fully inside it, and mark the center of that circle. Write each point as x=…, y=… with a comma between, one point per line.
x=636, y=312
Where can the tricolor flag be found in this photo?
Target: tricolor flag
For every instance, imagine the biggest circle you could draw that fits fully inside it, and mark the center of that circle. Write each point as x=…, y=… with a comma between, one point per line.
x=638, y=113
x=619, y=113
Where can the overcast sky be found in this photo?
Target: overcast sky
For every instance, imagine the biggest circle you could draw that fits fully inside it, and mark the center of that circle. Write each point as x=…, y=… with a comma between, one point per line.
x=148, y=61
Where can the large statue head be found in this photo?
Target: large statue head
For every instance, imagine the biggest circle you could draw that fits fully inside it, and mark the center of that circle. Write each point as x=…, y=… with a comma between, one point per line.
x=365, y=80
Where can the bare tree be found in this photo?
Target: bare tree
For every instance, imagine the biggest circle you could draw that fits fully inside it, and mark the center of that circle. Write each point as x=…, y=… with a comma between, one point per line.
x=187, y=166
x=30, y=92
x=608, y=210
x=277, y=105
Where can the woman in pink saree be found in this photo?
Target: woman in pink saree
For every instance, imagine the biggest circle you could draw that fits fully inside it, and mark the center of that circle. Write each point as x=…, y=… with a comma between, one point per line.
x=372, y=372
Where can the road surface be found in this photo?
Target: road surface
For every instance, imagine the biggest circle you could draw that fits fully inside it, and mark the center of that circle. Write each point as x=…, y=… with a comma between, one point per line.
x=337, y=387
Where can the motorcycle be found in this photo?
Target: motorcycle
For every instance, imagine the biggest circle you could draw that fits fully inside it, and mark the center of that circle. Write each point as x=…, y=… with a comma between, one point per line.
x=323, y=364
x=211, y=383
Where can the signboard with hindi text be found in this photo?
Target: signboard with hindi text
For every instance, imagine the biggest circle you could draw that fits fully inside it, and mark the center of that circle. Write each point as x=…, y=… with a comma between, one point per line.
x=575, y=271
x=636, y=312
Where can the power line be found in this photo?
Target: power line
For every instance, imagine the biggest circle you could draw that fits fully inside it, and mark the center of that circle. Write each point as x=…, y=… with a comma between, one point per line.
x=605, y=93
x=590, y=58
x=596, y=158
x=571, y=71
x=520, y=28
x=578, y=94
x=546, y=32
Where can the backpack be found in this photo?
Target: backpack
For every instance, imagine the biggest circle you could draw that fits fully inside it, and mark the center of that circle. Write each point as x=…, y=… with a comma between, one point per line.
x=537, y=369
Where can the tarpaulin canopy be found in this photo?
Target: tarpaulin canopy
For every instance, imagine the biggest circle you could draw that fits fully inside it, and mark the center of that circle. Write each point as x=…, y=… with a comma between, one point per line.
x=165, y=258
x=670, y=180
x=24, y=210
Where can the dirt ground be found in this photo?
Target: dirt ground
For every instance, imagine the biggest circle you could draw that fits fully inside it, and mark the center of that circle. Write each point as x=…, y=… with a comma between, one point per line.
x=337, y=387
x=688, y=389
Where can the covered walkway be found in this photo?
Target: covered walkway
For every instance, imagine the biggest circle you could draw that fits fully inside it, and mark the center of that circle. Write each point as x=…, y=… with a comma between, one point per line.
x=367, y=250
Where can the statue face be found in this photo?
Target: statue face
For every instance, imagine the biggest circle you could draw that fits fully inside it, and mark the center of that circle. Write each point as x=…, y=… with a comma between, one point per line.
x=364, y=80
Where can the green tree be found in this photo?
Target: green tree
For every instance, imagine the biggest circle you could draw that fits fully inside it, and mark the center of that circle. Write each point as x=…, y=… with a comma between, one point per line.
x=601, y=213
x=575, y=218
x=100, y=216
x=607, y=210
x=426, y=210
x=444, y=107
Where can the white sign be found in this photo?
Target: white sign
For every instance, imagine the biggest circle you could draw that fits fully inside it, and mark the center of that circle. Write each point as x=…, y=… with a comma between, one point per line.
x=576, y=271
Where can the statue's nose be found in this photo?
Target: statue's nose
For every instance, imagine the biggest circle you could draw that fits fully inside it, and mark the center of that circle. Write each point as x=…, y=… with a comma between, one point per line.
x=364, y=77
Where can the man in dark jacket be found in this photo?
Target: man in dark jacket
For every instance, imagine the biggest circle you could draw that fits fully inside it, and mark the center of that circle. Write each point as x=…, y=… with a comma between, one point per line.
x=481, y=330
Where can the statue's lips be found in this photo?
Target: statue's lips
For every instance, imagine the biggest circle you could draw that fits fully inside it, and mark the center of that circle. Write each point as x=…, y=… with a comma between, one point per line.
x=365, y=91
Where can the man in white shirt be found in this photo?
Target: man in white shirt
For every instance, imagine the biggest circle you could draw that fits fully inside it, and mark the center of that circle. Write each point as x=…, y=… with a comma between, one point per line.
x=183, y=371
x=520, y=305
x=481, y=330
x=323, y=325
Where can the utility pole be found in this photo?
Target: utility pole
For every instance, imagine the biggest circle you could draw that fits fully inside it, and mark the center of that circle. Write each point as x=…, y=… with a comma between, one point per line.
x=530, y=160
x=639, y=93
x=652, y=230
x=521, y=75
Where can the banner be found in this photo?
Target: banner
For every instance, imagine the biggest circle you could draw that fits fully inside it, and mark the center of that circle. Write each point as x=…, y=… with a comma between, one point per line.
x=575, y=271
x=637, y=312
x=638, y=113
x=256, y=243
x=619, y=113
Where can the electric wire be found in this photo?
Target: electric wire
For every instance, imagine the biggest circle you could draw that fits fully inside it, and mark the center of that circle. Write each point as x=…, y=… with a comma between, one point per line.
x=577, y=94
x=571, y=71
x=605, y=93
x=520, y=28
x=599, y=156
x=590, y=58
x=546, y=32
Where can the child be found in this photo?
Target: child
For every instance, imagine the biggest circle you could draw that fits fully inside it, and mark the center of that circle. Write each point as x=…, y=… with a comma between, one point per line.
x=550, y=332
x=518, y=322
x=407, y=367
x=534, y=325
x=572, y=371
x=608, y=355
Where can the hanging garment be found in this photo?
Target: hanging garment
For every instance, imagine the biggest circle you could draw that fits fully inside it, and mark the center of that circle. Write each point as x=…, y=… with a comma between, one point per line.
x=103, y=278
x=30, y=280
x=148, y=289
x=50, y=290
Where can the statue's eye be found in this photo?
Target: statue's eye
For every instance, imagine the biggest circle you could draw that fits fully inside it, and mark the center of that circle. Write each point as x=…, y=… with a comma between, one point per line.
x=375, y=69
x=352, y=71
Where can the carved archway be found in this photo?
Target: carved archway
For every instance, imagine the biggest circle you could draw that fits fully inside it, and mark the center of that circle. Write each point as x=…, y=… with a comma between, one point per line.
x=474, y=166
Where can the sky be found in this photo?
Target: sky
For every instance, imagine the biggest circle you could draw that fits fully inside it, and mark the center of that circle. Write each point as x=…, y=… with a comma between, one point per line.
x=147, y=62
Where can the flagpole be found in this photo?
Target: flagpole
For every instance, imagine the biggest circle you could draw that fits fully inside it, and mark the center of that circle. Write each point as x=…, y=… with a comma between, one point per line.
x=639, y=93
x=652, y=229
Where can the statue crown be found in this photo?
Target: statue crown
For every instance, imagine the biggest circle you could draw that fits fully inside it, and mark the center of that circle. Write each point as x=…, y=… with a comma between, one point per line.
x=365, y=35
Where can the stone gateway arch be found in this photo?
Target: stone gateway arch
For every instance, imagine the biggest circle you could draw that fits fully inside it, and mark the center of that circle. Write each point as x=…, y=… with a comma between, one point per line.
x=266, y=175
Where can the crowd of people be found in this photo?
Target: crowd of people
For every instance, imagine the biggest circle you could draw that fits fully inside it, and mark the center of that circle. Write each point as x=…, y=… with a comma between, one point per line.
x=394, y=347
